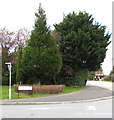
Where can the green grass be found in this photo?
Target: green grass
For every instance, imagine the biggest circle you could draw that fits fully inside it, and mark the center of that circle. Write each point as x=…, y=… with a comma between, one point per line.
x=5, y=92
x=72, y=89
x=107, y=80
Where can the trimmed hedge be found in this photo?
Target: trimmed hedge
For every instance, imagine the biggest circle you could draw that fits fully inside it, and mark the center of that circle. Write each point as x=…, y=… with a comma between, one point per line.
x=50, y=89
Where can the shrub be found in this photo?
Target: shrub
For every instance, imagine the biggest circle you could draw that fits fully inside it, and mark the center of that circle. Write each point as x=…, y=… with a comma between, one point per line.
x=81, y=77
x=50, y=89
x=91, y=75
x=77, y=79
x=107, y=78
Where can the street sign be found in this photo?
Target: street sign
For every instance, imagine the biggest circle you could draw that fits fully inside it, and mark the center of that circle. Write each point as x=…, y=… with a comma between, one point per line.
x=24, y=87
x=27, y=88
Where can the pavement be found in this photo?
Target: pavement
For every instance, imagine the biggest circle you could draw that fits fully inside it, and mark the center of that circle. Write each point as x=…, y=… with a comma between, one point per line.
x=94, y=91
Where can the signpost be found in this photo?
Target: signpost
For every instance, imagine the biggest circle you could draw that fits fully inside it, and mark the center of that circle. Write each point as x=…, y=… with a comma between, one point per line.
x=24, y=87
x=9, y=68
x=28, y=88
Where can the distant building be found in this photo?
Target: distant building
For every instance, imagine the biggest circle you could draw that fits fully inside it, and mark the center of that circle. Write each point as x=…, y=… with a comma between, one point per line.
x=98, y=75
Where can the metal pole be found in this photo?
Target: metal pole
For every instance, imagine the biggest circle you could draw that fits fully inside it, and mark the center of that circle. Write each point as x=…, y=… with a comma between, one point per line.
x=9, y=68
x=10, y=81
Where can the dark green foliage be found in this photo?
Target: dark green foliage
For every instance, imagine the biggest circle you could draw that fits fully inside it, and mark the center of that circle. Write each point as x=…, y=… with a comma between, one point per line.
x=5, y=76
x=91, y=75
x=81, y=77
x=5, y=79
x=77, y=79
x=19, y=66
x=13, y=74
x=41, y=59
x=82, y=42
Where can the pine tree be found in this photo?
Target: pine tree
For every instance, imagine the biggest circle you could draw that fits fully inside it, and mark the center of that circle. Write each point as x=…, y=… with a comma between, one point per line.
x=41, y=59
x=18, y=67
x=83, y=43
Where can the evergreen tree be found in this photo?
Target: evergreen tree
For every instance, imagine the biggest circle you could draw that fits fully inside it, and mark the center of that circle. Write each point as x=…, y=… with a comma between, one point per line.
x=18, y=67
x=41, y=59
x=83, y=43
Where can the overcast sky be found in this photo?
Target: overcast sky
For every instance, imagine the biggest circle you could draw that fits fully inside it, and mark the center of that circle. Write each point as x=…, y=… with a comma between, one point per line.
x=15, y=14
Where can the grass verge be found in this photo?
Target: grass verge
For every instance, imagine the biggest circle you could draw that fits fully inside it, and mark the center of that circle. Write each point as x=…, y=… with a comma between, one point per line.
x=5, y=92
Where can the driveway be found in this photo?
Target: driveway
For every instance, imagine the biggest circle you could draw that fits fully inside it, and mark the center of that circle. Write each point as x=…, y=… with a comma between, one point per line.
x=94, y=90
x=103, y=84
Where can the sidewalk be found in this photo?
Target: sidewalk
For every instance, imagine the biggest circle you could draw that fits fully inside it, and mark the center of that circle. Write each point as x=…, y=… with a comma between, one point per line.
x=95, y=90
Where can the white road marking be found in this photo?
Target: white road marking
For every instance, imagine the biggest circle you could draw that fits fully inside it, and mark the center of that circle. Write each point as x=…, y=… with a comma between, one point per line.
x=91, y=108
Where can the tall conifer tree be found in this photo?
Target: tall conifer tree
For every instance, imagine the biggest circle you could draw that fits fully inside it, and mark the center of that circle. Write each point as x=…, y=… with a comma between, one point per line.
x=83, y=43
x=41, y=59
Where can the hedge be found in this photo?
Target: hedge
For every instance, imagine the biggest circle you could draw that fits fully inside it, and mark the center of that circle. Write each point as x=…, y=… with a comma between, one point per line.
x=50, y=89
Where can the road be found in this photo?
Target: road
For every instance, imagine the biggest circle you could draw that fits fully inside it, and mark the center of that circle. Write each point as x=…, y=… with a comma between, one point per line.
x=98, y=109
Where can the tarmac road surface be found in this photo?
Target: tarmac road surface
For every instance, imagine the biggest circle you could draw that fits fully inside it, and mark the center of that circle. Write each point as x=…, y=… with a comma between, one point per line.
x=97, y=109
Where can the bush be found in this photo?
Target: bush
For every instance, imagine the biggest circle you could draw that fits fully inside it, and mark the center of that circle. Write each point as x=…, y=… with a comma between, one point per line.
x=81, y=77
x=91, y=75
x=50, y=89
x=107, y=78
x=77, y=79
